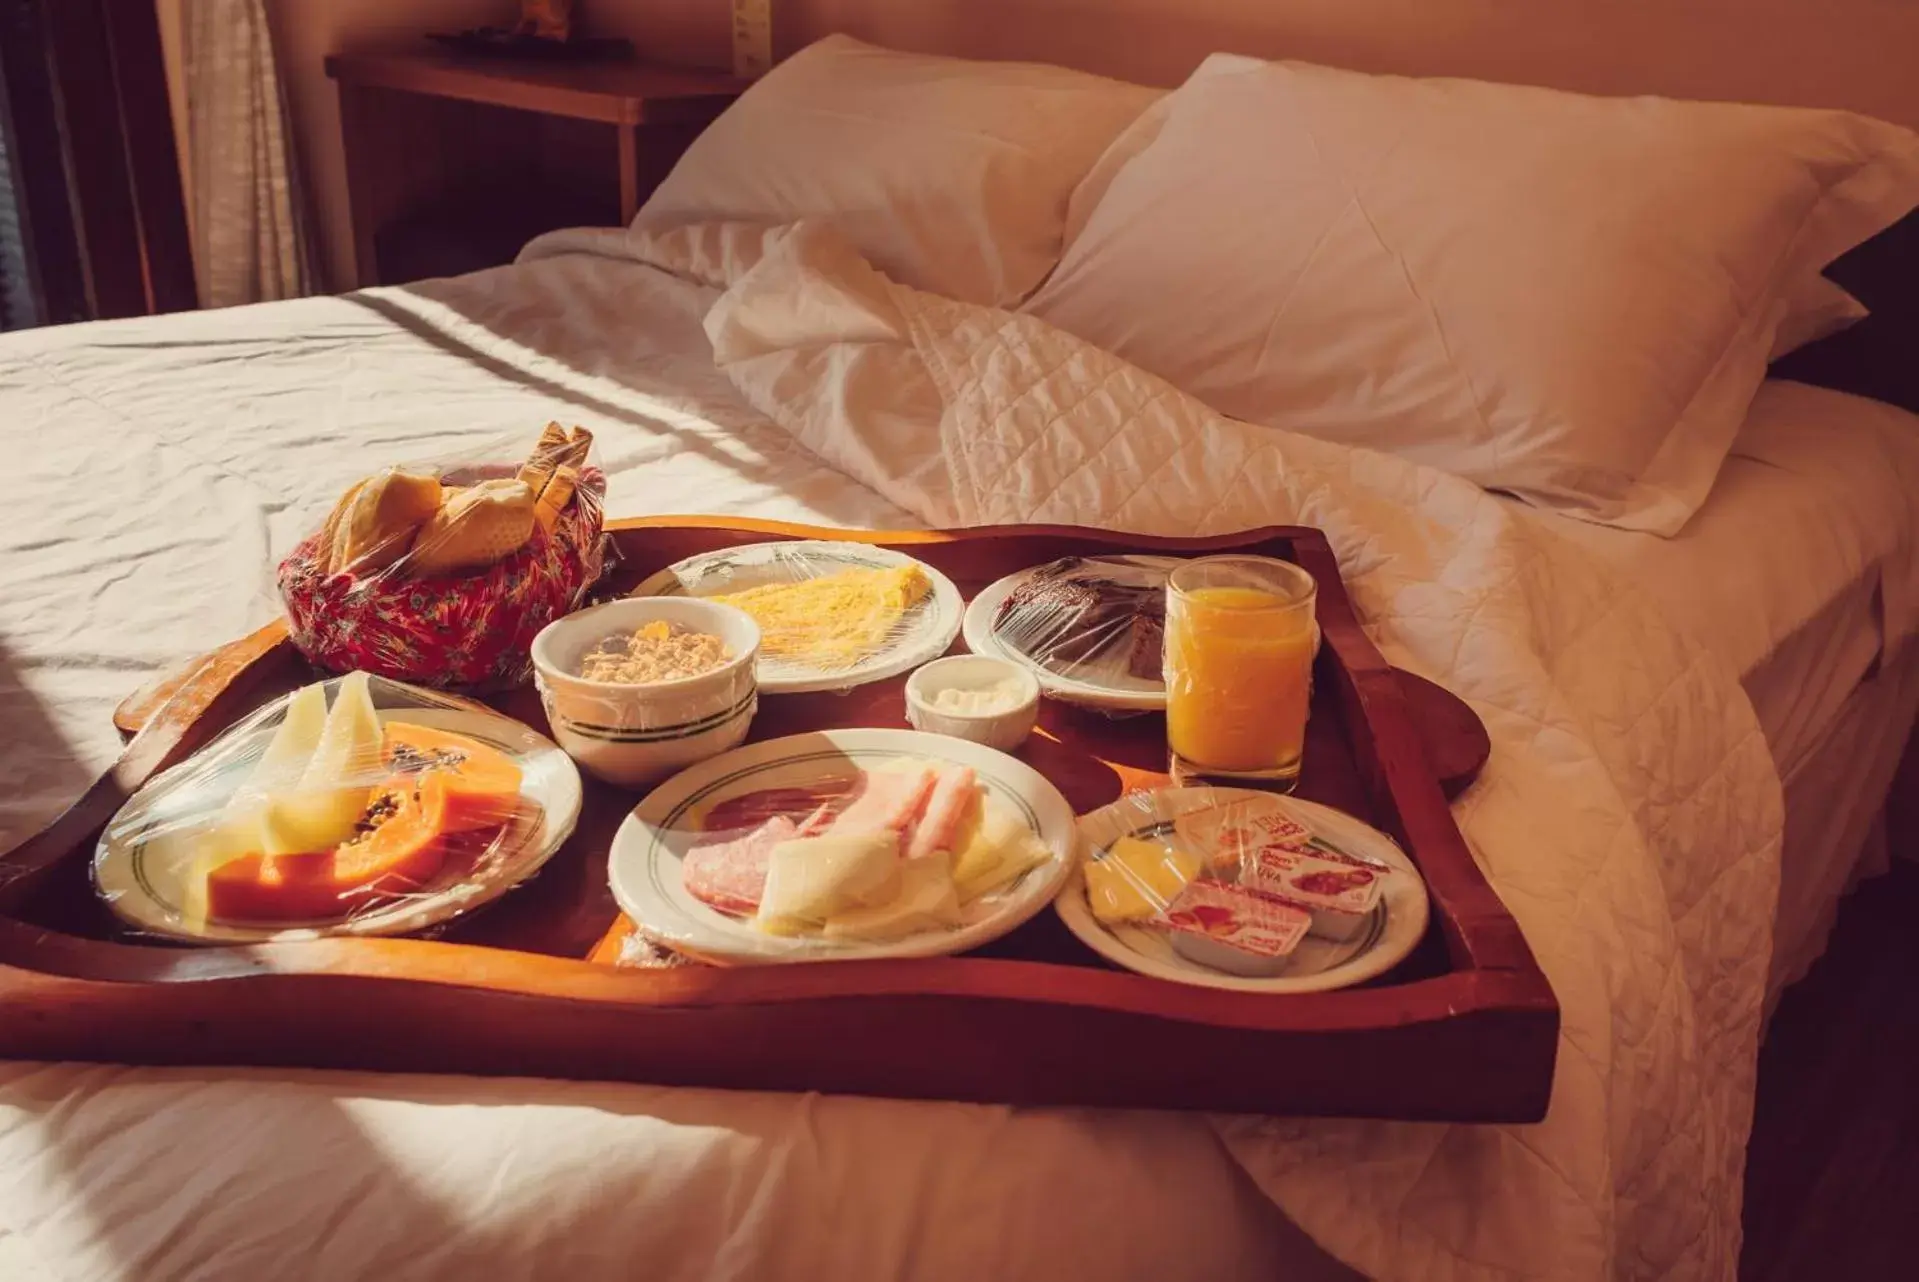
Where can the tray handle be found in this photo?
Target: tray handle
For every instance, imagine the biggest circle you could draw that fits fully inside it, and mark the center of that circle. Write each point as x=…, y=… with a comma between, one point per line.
x=169, y=720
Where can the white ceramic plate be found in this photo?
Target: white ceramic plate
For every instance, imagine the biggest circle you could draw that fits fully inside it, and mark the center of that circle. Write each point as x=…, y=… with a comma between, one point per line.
x=929, y=628
x=1398, y=922
x=644, y=865
x=1102, y=683
x=144, y=883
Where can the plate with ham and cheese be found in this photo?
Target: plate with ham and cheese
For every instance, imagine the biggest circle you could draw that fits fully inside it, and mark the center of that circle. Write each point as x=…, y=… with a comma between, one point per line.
x=832, y=615
x=840, y=845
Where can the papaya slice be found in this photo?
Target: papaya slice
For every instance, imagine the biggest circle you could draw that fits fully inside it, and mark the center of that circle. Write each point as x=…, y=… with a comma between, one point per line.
x=402, y=849
x=480, y=786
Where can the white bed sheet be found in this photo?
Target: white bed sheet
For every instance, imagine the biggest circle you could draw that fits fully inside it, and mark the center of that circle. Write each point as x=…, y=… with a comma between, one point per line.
x=166, y=464
x=195, y=450
x=1801, y=572
x=1835, y=810
x=118, y=1173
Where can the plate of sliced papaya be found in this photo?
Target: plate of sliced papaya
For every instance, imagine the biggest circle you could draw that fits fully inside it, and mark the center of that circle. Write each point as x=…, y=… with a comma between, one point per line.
x=353, y=806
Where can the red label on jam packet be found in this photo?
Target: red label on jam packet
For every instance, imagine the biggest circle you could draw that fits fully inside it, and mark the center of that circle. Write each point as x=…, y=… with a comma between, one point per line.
x=1318, y=881
x=1239, y=916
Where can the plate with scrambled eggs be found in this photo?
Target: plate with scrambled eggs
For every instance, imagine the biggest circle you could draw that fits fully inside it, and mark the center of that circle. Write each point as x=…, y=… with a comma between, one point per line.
x=832, y=615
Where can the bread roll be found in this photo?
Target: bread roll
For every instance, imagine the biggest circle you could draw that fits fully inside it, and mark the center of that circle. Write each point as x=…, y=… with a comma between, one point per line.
x=379, y=519
x=475, y=527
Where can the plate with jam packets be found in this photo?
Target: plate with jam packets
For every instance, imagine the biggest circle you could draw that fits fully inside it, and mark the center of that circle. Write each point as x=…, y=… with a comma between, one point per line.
x=1091, y=629
x=1230, y=888
x=832, y=615
x=843, y=845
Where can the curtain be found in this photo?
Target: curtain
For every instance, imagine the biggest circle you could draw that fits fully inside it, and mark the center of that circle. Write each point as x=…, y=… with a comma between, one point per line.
x=250, y=239
x=16, y=292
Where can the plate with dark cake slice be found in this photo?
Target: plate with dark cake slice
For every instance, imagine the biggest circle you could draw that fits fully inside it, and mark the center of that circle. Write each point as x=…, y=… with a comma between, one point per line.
x=1091, y=628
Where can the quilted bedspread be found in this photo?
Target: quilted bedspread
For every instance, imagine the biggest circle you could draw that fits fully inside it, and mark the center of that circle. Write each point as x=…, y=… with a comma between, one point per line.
x=1629, y=819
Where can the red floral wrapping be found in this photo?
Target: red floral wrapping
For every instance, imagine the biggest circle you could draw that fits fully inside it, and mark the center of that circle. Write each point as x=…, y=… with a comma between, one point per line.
x=466, y=630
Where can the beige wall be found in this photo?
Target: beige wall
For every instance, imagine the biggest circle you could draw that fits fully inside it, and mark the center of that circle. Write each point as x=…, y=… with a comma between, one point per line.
x=1861, y=54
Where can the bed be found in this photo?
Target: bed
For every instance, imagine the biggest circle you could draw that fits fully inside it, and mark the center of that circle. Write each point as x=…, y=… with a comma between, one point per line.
x=168, y=462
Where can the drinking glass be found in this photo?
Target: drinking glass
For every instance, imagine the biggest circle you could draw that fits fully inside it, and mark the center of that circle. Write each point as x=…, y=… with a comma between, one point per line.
x=1240, y=638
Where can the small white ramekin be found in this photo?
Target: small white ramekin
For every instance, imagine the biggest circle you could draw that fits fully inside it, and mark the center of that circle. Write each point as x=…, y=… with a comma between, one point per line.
x=1004, y=730
x=632, y=735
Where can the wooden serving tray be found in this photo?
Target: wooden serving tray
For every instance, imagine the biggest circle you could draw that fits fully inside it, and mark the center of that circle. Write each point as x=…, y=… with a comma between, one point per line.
x=1465, y=1029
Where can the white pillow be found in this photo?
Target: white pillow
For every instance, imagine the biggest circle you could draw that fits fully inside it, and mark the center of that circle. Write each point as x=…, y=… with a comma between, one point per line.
x=1815, y=309
x=1566, y=297
x=949, y=175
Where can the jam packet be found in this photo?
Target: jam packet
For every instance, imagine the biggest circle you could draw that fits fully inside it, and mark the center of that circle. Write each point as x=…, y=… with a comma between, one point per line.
x=1236, y=929
x=1340, y=892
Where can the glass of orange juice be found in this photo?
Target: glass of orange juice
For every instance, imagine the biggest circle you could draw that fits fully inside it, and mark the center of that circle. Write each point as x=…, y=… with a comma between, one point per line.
x=1240, y=638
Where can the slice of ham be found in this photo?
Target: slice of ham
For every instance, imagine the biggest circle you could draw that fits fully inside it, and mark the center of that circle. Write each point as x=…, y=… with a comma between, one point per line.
x=953, y=791
x=890, y=801
x=751, y=809
x=731, y=875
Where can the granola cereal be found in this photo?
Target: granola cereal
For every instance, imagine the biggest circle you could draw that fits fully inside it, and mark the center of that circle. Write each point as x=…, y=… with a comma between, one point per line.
x=659, y=651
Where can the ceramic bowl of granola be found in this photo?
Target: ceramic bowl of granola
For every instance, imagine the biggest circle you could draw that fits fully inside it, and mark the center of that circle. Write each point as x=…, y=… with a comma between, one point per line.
x=639, y=688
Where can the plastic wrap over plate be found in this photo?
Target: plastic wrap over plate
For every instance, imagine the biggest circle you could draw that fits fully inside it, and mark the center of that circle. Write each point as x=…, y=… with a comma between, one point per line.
x=832, y=616
x=353, y=806
x=1165, y=865
x=841, y=845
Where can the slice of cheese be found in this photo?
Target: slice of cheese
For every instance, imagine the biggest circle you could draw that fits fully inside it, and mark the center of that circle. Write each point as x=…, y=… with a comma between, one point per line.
x=927, y=900
x=813, y=878
x=321, y=811
x=1137, y=879
x=1023, y=853
x=994, y=847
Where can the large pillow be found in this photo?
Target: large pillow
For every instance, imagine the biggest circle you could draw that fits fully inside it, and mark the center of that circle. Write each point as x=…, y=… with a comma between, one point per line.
x=1569, y=298
x=951, y=176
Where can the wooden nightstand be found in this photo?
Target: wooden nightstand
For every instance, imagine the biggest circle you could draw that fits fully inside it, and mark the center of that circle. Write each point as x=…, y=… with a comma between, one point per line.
x=454, y=162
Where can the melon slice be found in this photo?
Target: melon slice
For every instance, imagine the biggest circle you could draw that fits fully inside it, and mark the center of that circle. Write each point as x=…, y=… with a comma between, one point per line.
x=236, y=832
x=480, y=786
x=294, y=743
x=322, y=810
x=279, y=768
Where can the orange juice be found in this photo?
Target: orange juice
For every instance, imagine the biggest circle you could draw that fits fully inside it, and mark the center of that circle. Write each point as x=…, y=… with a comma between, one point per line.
x=1239, y=659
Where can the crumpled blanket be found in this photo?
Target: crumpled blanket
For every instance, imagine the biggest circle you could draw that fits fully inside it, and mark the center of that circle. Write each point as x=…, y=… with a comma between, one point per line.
x=1629, y=818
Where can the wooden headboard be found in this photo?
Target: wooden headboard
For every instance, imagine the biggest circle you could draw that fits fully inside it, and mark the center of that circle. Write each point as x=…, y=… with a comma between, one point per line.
x=1857, y=54
x=1878, y=357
